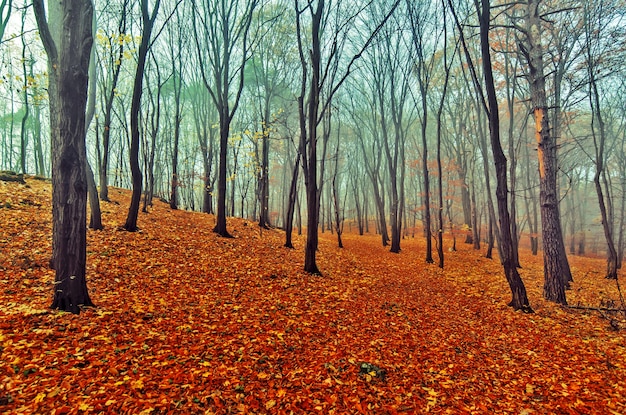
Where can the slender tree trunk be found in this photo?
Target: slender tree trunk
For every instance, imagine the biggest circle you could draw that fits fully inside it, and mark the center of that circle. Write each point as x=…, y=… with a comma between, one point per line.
x=174, y=182
x=95, y=220
x=108, y=109
x=518, y=290
x=519, y=299
x=291, y=203
x=25, y=90
x=148, y=23
x=440, y=225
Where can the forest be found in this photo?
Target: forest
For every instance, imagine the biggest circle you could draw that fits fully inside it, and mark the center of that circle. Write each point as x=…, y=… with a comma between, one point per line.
x=280, y=185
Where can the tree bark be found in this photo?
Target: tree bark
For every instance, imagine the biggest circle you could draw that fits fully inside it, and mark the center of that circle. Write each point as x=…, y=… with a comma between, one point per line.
x=68, y=59
x=519, y=299
x=148, y=23
x=555, y=273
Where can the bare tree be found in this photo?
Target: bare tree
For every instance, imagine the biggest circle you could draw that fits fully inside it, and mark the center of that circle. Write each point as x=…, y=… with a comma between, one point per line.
x=114, y=60
x=318, y=88
x=519, y=299
x=148, y=19
x=598, y=22
x=221, y=30
x=5, y=14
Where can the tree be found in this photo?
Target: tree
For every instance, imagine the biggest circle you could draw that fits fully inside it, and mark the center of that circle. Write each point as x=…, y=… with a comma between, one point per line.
x=519, y=299
x=317, y=90
x=392, y=82
x=95, y=219
x=117, y=40
x=67, y=39
x=272, y=67
x=597, y=24
x=148, y=24
x=424, y=71
x=440, y=108
x=5, y=14
x=177, y=56
x=366, y=127
x=555, y=268
x=223, y=46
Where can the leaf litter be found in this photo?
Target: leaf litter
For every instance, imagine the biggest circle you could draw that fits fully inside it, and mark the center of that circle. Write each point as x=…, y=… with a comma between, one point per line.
x=188, y=322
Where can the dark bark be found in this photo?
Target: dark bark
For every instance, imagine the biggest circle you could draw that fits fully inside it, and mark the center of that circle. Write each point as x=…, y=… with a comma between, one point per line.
x=336, y=204
x=357, y=203
x=25, y=91
x=177, y=120
x=264, y=182
x=148, y=23
x=68, y=58
x=308, y=123
x=555, y=273
x=599, y=134
x=95, y=219
x=519, y=299
x=291, y=203
x=150, y=139
x=440, y=224
x=518, y=290
x=226, y=81
x=423, y=77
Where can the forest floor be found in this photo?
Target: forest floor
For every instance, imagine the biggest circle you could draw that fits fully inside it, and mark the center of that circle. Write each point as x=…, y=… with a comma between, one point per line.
x=188, y=322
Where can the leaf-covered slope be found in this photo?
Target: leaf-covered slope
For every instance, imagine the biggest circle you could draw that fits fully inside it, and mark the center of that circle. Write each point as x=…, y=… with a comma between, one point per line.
x=188, y=322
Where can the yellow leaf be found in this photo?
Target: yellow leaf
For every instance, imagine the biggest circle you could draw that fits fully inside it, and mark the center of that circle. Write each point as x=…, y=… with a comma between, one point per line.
x=270, y=404
x=39, y=397
x=137, y=384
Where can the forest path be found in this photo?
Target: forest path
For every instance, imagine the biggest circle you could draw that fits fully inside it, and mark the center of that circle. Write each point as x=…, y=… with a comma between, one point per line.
x=188, y=322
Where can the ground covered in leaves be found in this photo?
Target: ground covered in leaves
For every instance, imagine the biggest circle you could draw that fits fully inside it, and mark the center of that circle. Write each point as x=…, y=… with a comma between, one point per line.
x=187, y=322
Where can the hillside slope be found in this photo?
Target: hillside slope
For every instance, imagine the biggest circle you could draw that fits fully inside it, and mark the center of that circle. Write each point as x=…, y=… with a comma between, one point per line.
x=187, y=322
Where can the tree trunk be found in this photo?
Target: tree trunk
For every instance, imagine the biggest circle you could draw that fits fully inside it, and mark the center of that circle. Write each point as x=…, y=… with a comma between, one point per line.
x=220, y=220
x=68, y=57
x=264, y=182
x=555, y=273
x=95, y=220
x=291, y=203
x=519, y=299
x=108, y=109
x=148, y=23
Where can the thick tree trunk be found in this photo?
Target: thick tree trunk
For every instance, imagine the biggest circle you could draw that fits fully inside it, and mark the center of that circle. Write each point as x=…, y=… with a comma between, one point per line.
x=556, y=270
x=68, y=55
